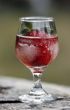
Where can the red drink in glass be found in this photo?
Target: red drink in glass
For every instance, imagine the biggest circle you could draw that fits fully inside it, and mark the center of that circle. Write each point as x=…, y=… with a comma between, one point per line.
x=36, y=47
x=36, y=51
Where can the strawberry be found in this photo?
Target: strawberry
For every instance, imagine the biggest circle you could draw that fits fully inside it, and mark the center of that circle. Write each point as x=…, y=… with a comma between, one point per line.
x=32, y=33
x=36, y=33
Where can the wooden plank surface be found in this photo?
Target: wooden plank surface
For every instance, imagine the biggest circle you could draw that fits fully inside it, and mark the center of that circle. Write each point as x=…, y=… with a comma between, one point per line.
x=11, y=88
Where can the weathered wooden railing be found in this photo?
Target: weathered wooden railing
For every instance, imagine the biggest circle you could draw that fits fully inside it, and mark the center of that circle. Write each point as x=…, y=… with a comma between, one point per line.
x=11, y=88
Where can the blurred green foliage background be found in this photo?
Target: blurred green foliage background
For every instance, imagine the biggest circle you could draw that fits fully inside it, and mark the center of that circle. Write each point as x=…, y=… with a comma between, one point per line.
x=10, y=12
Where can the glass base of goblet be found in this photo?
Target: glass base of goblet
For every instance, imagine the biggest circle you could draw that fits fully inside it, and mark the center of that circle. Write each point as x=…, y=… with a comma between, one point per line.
x=37, y=96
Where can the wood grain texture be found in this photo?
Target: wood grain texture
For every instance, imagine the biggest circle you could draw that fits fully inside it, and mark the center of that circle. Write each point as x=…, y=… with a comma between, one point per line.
x=11, y=88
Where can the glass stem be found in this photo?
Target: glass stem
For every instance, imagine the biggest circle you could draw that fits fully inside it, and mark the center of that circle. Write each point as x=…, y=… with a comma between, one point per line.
x=37, y=74
x=37, y=88
x=37, y=81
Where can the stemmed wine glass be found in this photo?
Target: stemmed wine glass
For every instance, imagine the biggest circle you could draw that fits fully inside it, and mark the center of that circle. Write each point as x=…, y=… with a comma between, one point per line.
x=36, y=47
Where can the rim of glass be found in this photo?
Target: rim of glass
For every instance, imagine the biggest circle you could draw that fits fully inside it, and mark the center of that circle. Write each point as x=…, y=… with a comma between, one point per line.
x=36, y=19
